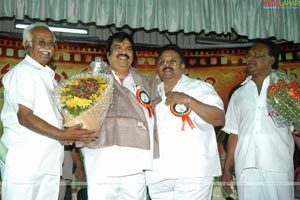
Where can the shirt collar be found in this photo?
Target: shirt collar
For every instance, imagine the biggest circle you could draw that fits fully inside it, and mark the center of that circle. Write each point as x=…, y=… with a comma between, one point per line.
x=38, y=66
x=160, y=86
x=117, y=78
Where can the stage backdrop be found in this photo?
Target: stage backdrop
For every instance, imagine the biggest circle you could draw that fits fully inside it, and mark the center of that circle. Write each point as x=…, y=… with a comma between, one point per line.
x=223, y=68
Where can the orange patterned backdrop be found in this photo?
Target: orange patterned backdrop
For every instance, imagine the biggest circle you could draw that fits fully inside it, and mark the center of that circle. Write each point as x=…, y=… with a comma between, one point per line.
x=223, y=68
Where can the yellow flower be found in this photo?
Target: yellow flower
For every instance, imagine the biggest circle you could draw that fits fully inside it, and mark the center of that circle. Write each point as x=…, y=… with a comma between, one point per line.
x=80, y=102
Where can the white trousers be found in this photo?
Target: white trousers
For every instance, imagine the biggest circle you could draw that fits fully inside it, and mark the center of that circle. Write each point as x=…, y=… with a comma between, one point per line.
x=45, y=187
x=131, y=187
x=181, y=189
x=257, y=184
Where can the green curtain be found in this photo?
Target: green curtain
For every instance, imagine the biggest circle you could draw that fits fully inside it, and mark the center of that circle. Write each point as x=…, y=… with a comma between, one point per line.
x=247, y=17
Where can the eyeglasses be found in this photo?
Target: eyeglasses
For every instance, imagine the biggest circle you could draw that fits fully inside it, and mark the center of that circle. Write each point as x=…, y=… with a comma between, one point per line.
x=43, y=43
x=172, y=62
x=255, y=55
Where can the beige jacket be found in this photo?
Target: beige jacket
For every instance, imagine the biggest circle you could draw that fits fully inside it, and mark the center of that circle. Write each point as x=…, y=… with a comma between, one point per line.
x=125, y=123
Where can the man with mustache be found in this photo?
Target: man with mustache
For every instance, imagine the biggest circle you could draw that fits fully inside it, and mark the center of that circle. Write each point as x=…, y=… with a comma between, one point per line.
x=115, y=163
x=186, y=117
x=33, y=124
x=260, y=152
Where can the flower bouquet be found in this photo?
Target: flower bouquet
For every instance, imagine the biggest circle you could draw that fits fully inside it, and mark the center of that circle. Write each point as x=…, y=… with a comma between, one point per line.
x=283, y=100
x=85, y=98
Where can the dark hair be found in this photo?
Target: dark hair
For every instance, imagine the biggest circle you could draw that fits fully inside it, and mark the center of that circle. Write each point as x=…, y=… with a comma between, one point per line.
x=273, y=50
x=119, y=36
x=173, y=47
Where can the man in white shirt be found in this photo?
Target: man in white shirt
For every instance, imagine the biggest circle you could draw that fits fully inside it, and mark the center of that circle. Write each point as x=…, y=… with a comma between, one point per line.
x=186, y=117
x=261, y=153
x=33, y=124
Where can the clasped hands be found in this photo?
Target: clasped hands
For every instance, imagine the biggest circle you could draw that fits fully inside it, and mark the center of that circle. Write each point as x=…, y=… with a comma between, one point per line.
x=77, y=134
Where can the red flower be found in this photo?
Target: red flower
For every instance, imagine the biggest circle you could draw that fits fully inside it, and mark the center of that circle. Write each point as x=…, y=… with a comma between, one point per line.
x=284, y=99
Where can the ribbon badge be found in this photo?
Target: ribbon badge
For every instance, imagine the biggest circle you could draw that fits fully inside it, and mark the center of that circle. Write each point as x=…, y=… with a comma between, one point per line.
x=180, y=110
x=144, y=99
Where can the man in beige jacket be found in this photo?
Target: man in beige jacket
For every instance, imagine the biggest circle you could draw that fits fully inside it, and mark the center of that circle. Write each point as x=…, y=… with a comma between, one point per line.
x=126, y=144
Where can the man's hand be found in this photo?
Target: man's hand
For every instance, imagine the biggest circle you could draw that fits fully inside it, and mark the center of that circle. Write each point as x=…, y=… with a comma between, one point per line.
x=77, y=134
x=296, y=136
x=226, y=181
x=176, y=97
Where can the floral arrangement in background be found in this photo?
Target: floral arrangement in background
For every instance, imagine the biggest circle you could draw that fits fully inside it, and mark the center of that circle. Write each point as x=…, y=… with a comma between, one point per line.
x=284, y=100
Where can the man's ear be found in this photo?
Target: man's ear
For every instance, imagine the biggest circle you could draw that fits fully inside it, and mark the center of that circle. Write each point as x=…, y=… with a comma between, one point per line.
x=182, y=66
x=272, y=60
x=26, y=45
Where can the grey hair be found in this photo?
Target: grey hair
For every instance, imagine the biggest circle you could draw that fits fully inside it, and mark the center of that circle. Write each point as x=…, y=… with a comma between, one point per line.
x=27, y=36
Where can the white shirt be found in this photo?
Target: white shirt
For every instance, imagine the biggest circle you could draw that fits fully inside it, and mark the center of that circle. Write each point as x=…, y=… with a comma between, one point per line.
x=260, y=143
x=188, y=153
x=30, y=153
x=118, y=160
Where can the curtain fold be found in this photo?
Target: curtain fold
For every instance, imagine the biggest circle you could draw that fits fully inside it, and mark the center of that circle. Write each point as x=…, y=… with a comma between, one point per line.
x=248, y=18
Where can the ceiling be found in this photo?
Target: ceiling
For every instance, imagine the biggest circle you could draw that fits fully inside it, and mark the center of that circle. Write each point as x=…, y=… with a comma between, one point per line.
x=147, y=38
